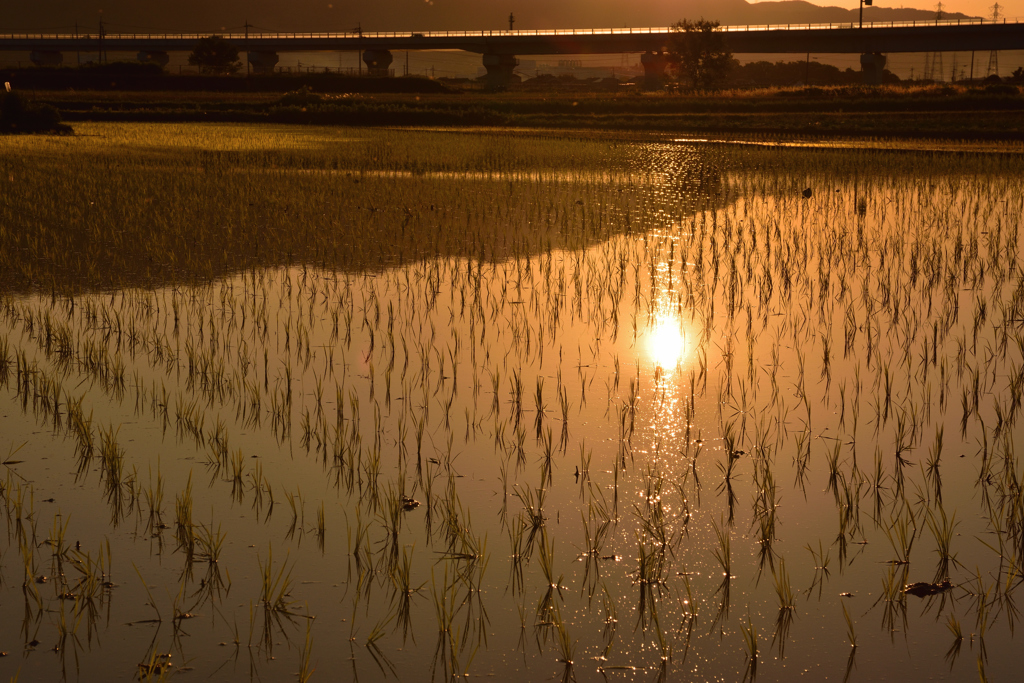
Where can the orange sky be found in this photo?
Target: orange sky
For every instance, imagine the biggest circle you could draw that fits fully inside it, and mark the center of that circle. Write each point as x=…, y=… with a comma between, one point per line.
x=337, y=15
x=977, y=8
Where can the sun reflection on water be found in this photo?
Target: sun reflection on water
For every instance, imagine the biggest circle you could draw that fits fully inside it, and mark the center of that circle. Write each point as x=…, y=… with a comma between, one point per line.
x=666, y=343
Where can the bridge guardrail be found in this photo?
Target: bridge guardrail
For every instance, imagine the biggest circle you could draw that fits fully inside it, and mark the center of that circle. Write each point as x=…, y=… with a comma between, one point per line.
x=526, y=33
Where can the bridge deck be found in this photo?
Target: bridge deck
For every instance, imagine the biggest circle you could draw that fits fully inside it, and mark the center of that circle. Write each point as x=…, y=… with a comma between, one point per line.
x=889, y=37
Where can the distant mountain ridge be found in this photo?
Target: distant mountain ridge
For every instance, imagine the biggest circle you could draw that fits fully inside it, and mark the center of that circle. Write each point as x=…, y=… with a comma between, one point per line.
x=802, y=12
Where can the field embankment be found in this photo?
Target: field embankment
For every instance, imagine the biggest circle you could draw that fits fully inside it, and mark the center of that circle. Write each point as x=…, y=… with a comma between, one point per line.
x=939, y=111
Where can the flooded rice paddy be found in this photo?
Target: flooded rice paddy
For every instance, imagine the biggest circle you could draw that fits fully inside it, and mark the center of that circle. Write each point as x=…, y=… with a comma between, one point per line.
x=326, y=404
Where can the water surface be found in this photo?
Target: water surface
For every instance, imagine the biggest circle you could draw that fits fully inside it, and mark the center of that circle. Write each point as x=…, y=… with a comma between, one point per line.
x=380, y=404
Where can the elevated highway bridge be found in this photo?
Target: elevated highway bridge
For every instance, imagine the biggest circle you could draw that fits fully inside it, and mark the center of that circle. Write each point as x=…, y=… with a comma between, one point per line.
x=499, y=49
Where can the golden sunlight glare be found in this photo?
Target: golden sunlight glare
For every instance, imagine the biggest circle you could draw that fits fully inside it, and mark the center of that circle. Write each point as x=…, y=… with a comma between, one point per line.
x=665, y=343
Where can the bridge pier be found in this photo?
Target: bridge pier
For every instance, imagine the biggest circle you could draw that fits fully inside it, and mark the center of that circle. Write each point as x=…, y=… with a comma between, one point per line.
x=654, y=64
x=46, y=57
x=154, y=57
x=262, y=62
x=377, y=61
x=500, y=70
x=872, y=64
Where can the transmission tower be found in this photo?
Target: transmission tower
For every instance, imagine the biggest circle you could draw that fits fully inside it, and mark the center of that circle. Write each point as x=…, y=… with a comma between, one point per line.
x=993, y=56
x=933, y=71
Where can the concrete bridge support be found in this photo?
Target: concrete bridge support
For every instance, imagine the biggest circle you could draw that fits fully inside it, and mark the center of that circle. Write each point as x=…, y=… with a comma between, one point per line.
x=46, y=57
x=872, y=64
x=263, y=62
x=654, y=64
x=501, y=70
x=378, y=61
x=154, y=57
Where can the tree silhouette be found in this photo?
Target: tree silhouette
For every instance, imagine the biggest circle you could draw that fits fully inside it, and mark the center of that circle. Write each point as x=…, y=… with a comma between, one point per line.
x=215, y=55
x=698, y=52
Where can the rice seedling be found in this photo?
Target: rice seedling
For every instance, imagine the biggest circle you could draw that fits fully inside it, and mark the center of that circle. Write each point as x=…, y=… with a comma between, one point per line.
x=750, y=641
x=566, y=646
x=851, y=633
x=722, y=551
x=942, y=528
x=154, y=494
x=822, y=558
x=901, y=532
x=958, y=638
x=382, y=661
x=306, y=667
x=151, y=602
x=783, y=588
x=209, y=543
x=184, y=529
x=321, y=525
x=276, y=586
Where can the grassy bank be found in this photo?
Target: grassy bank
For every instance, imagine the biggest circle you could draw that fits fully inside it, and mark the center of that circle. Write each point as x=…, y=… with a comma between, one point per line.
x=935, y=111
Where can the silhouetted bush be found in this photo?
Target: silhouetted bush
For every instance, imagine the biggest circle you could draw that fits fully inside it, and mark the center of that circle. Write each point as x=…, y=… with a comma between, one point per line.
x=1001, y=89
x=303, y=97
x=19, y=116
x=123, y=68
x=365, y=114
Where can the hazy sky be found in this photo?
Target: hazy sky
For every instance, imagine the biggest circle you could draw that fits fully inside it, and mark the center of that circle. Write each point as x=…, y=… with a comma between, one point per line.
x=383, y=15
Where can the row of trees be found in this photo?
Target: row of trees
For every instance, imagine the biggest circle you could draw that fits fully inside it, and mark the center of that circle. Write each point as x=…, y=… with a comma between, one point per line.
x=765, y=74
x=697, y=52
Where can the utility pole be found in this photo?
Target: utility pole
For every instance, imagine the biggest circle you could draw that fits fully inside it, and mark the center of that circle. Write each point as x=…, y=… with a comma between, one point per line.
x=248, y=66
x=511, y=20
x=100, y=56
